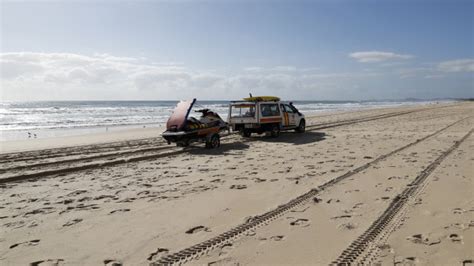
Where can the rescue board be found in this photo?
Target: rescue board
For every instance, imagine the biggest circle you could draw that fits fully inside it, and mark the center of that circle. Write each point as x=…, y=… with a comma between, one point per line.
x=262, y=99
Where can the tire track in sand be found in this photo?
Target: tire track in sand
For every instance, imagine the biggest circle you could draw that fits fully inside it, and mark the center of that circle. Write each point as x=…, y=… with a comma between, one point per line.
x=195, y=251
x=111, y=158
x=365, y=248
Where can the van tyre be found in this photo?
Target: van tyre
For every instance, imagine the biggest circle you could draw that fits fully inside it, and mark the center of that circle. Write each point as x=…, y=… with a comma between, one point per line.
x=301, y=127
x=213, y=142
x=275, y=131
x=246, y=133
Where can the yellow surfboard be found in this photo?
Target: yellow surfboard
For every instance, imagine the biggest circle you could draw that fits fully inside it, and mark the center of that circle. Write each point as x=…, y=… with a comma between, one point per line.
x=262, y=99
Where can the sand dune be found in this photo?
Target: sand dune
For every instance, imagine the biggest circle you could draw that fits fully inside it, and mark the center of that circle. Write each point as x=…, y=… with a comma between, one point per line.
x=138, y=211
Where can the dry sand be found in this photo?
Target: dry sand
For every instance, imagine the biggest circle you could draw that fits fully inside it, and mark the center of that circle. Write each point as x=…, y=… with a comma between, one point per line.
x=135, y=212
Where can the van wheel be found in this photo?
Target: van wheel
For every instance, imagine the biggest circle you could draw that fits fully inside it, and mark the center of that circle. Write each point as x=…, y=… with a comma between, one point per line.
x=246, y=133
x=301, y=127
x=275, y=132
x=213, y=142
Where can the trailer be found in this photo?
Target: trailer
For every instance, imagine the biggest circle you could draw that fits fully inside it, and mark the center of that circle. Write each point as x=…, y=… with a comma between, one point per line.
x=183, y=129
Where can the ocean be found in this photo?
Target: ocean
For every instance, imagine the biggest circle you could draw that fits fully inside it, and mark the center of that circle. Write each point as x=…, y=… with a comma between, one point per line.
x=64, y=118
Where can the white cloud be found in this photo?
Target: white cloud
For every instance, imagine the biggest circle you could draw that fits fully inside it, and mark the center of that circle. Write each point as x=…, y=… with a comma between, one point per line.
x=434, y=76
x=39, y=76
x=377, y=56
x=68, y=76
x=413, y=72
x=285, y=68
x=459, y=65
x=253, y=69
x=277, y=69
x=342, y=75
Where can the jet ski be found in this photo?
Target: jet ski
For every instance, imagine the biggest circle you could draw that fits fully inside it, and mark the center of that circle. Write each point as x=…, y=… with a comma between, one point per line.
x=182, y=129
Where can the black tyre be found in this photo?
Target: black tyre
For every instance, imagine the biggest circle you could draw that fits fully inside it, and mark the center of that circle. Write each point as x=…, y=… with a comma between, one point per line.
x=182, y=144
x=213, y=142
x=275, y=131
x=301, y=127
x=246, y=133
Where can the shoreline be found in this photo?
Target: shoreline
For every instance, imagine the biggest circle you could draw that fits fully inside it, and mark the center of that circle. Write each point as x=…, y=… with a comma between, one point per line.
x=26, y=130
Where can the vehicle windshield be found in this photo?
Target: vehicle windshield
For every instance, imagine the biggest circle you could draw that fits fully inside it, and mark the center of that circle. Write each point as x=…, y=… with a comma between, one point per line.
x=242, y=110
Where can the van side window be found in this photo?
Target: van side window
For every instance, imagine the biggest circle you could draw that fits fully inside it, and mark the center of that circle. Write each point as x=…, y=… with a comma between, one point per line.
x=288, y=109
x=270, y=110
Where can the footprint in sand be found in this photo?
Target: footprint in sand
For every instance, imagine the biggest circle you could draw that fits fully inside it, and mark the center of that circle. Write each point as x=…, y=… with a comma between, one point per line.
x=119, y=210
x=317, y=200
x=467, y=262
x=348, y=226
x=110, y=262
x=158, y=253
x=250, y=233
x=65, y=202
x=106, y=197
x=26, y=243
x=277, y=238
x=330, y=200
x=300, y=222
x=342, y=216
x=44, y=210
x=75, y=193
x=144, y=192
x=84, y=199
x=455, y=238
x=422, y=239
x=73, y=222
x=49, y=262
x=197, y=229
x=300, y=209
x=461, y=226
x=127, y=200
x=408, y=261
x=225, y=249
x=238, y=187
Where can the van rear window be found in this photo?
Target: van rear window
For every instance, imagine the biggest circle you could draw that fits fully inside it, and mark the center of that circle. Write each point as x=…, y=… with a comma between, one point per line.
x=247, y=110
x=270, y=110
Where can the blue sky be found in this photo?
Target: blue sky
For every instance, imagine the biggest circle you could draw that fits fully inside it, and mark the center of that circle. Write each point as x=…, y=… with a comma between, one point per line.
x=341, y=50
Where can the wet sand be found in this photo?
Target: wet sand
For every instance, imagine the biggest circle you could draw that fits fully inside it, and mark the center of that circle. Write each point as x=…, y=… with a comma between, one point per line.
x=137, y=212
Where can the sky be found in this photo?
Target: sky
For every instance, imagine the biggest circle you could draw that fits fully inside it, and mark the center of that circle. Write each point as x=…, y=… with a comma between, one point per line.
x=223, y=50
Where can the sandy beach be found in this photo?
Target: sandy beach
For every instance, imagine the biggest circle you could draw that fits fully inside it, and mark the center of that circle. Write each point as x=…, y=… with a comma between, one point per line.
x=389, y=185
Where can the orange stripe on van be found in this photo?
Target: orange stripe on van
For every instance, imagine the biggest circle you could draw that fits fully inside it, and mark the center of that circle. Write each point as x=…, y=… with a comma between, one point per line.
x=270, y=120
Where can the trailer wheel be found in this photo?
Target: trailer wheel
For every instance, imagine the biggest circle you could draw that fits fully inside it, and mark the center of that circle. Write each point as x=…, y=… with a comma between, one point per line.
x=275, y=131
x=184, y=143
x=213, y=142
x=301, y=127
x=246, y=133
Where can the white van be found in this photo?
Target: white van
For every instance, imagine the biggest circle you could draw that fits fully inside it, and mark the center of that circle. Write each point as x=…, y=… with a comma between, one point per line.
x=264, y=114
